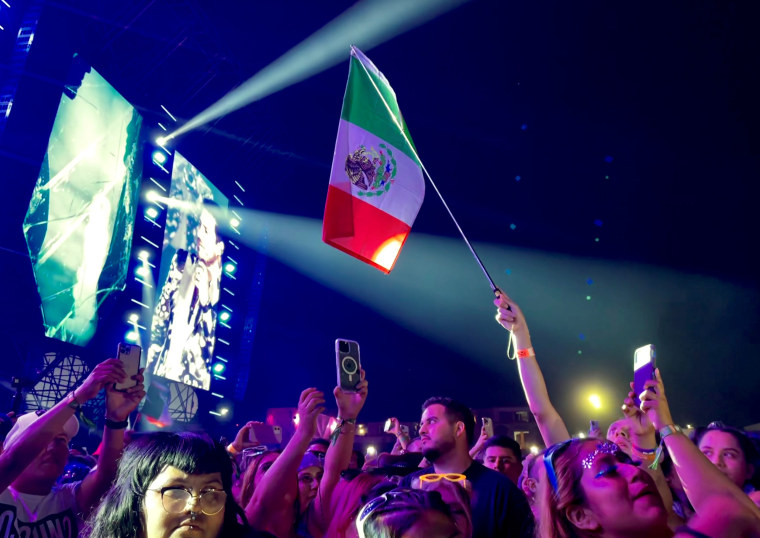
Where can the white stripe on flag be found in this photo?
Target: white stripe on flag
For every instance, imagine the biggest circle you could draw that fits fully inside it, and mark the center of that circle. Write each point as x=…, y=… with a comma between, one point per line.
x=407, y=190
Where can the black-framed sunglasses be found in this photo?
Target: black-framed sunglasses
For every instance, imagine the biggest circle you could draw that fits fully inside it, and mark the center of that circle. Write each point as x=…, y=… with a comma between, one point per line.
x=175, y=499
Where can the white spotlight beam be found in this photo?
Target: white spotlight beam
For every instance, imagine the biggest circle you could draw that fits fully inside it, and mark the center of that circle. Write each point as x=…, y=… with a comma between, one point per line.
x=366, y=24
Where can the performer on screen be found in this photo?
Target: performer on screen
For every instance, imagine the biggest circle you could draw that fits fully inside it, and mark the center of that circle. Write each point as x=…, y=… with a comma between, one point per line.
x=184, y=321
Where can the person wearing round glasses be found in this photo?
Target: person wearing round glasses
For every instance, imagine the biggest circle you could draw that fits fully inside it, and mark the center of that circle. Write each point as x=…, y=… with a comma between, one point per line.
x=171, y=485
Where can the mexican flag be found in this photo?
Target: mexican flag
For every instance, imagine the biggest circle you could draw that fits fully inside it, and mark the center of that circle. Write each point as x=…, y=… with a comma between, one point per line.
x=376, y=184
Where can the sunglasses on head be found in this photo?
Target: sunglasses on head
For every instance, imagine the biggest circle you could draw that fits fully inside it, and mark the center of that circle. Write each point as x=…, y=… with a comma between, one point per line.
x=396, y=495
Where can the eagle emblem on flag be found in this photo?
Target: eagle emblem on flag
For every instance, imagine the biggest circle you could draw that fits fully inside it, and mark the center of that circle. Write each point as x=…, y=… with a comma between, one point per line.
x=371, y=170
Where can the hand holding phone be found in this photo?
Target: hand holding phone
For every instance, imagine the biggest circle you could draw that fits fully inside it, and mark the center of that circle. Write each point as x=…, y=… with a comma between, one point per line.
x=391, y=426
x=593, y=429
x=488, y=426
x=264, y=434
x=644, y=365
x=348, y=364
x=129, y=355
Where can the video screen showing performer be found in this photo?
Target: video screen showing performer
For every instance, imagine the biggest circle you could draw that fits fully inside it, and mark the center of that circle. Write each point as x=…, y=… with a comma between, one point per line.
x=80, y=221
x=183, y=330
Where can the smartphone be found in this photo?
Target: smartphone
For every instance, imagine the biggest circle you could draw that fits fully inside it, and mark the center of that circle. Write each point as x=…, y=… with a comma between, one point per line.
x=593, y=425
x=348, y=364
x=404, y=429
x=264, y=434
x=388, y=425
x=643, y=369
x=488, y=426
x=129, y=355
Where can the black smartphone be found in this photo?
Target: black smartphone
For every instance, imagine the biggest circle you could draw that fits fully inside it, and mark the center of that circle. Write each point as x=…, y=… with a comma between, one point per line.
x=348, y=364
x=643, y=369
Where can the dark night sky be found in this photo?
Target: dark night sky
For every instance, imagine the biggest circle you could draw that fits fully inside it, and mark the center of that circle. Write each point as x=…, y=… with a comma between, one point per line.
x=632, y=123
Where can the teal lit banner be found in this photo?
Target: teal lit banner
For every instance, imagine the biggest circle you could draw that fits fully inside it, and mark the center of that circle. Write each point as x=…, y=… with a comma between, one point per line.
x=81, y=216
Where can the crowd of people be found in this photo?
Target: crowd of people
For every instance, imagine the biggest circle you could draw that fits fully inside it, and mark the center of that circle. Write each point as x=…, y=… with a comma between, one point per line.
x=646, y=477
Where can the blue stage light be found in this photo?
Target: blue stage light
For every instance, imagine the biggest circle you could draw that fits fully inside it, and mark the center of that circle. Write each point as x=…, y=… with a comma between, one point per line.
x=151, y=212
x=219, y=368
x=224, y=316
x=132, y=336
x=230, y=267
x=159, y=157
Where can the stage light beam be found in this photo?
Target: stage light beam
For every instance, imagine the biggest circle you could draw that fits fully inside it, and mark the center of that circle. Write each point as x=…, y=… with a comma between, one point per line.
x=366, y=24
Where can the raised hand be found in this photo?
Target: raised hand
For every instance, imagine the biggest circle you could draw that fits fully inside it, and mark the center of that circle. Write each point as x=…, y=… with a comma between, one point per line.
x=478, y=446
x=654, y=403
x=119, y=404
x=509, y=316
x=638, y=420
x=395, y=427
x=108, y=372
x=243, y=437
x=350, y=403
x=310, y=405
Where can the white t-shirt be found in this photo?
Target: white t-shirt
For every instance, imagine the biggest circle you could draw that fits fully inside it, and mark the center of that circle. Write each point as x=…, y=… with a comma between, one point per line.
x=56, y=514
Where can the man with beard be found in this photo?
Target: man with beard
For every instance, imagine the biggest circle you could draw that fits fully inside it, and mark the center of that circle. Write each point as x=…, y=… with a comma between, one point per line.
x=447, y=429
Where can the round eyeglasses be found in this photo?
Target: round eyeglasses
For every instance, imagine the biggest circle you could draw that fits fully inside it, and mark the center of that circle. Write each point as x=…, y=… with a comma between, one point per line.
x=175, y=499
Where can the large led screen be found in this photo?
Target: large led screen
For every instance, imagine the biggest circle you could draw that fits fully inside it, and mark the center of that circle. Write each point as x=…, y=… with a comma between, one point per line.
x=183, y=330
x=81, y=216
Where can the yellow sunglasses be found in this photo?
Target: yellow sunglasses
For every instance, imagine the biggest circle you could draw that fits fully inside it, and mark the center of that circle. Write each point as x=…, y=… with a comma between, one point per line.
x=435, y=477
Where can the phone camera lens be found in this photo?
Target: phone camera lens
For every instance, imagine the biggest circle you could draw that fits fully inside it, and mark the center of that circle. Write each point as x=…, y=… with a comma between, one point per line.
x=343, y=346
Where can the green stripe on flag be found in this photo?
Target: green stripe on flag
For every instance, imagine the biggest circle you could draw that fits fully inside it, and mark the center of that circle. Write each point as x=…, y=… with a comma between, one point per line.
x=364, y=106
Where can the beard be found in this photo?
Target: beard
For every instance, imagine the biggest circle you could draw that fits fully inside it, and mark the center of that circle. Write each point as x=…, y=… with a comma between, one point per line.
x=438, y=449
x=431, y=454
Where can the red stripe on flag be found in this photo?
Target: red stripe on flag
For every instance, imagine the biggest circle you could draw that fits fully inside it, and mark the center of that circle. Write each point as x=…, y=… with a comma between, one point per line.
x=362, y=230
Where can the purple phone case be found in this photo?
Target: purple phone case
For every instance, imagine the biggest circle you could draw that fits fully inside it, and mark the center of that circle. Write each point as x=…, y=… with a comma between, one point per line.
x=641, y=376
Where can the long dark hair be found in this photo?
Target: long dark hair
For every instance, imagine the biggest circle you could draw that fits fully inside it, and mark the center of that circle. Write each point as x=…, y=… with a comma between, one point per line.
x=120, y=512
